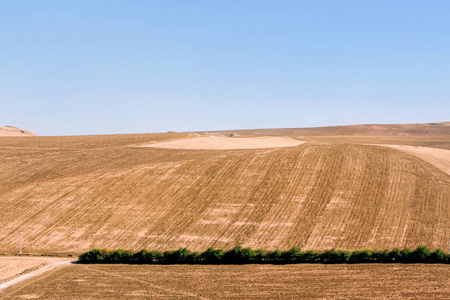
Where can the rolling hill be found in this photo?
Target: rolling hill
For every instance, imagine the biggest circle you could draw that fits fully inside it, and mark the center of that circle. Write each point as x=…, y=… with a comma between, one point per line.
x=423, y=129
x=70, y=194
x=14, y=131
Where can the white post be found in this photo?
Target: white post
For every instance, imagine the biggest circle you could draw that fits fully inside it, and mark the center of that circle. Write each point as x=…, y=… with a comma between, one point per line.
x=20, y=251
x=164, y=244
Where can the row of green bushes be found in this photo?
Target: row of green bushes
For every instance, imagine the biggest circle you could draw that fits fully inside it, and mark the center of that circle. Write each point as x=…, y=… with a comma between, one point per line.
x=239, y=255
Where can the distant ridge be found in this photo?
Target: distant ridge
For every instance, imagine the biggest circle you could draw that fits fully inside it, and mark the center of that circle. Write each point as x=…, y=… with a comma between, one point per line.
x=424, y=129
x=15, y=131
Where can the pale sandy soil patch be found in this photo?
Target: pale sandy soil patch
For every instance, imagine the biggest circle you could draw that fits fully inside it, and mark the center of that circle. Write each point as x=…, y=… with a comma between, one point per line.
x=14, y=131
x=228, y=143
x=439, y=158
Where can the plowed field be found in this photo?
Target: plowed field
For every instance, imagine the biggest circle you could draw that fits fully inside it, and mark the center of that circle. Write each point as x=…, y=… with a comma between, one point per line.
x=240, y=282
x=439, y=158
x=424, y=129
x=70, y=194
x=11, y=267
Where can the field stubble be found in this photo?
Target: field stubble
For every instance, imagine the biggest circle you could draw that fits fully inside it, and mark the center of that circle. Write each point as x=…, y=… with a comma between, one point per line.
x=70, y=194
x=240, y=282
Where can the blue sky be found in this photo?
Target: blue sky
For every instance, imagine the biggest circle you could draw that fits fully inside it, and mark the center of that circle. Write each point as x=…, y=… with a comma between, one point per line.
x=95, y=67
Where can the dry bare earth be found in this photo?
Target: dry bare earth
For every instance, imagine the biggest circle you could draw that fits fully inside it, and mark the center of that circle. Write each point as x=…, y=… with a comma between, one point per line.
x=425, y=129
x=16, y=270
x=70, y=194
x=441, y=142
x=14, y=131
x=227, y=143
x=240, y=282
x=11, y=267
x=437, y=157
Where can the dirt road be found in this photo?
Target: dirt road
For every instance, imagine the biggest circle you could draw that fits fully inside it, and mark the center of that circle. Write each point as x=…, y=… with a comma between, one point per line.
x=14, y=270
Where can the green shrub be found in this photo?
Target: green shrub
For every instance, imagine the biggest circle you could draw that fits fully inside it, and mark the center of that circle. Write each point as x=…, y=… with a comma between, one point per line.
x=438, y=256
x=119, y=255
x=259, y=255
x=311, y=256
x=363, y=256
x=273, y=256
x=293, y=255
x=177, y=257
x=406, y=255
x=94, y=255
x=396, y=255
x=140, y=257
x=421, y=254
x=335, y=256
x=193, y=257
x=382, y=256
x=212, y=256
x=239, y=255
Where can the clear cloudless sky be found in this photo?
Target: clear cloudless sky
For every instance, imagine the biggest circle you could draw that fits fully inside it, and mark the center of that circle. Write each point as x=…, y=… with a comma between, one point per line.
x=130, y=66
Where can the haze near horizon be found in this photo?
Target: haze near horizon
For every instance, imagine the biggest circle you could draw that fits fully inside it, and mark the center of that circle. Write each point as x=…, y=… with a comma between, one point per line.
x=153, y=66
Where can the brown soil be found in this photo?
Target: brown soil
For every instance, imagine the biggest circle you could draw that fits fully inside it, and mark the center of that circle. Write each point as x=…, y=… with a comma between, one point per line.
x=14, y=270
x=11, y=267
x=439, y=158
x=70, y=194
x=240, y=282
x=441, y=142
x=426, y=129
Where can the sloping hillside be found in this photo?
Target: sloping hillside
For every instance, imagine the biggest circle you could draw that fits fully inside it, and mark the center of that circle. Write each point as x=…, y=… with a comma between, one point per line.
x=14, y=131
x=70, y=194
x=425, y=129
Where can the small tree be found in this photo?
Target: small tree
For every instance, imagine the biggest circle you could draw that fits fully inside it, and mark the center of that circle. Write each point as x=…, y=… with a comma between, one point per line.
x=396, y=255
x=421, y=254
x=94, y=255
x=335, y=256
x=311, y=256
x=381, y=256
x=406, y=255
x=178, y=257
x=212, y=256
x=235, y=256
x=120, y=255
x=438, y=256
x=363, y=256
x=141, y=257
x=274, y=256
x=293, y=255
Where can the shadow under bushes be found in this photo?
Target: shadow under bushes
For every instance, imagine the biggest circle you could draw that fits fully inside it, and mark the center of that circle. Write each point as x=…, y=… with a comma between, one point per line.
x=239, y=255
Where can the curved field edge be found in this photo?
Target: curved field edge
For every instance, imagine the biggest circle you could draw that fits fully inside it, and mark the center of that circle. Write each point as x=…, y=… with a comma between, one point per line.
x=440, y=142
x=228, y=143
x=439, y=158
x=76, y=193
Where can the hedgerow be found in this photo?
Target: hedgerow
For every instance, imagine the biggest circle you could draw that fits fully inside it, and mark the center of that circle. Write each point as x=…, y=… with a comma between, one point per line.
x=240, y=255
